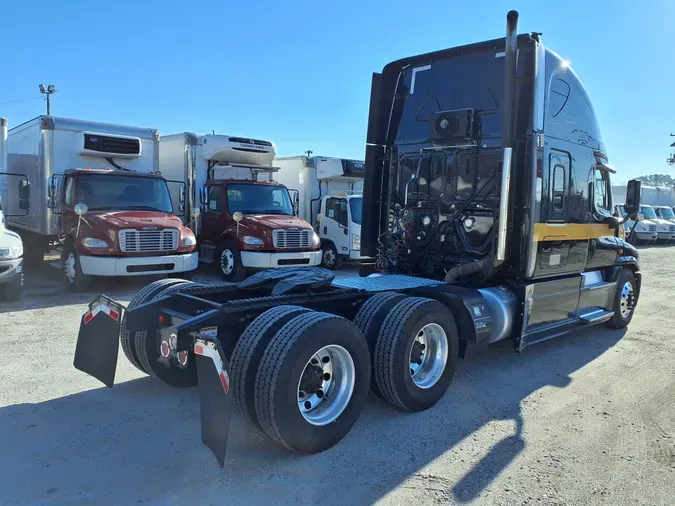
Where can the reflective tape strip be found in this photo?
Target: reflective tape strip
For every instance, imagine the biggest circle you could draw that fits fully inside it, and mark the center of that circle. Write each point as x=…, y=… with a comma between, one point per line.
x=91, y=314
x=97, y=309
x=213, y=354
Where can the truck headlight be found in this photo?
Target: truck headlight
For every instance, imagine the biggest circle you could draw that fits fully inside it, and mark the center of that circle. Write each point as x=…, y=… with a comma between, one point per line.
x=252, y=241
x=189, y=241
x=316, y=240
x=356, y=242
x=91, y=242
x=11, y=252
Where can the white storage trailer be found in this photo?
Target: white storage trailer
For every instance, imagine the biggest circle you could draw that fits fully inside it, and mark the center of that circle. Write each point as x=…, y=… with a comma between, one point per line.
x=330, y=198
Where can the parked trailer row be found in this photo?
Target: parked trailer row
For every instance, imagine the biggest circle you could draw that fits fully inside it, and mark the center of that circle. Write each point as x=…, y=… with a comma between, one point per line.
x=475, y=220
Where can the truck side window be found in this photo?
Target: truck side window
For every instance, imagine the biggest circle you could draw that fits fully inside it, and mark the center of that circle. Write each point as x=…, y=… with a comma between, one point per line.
x=336, y=209
x=558, y=189
x=216, y=199
x=68, y=192
x=603, y=204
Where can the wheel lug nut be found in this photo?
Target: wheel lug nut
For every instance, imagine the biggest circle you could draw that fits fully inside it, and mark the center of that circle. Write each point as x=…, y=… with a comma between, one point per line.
x=326, y=376
x=422, y=346
x=315, y=361
x=319, y=394
x=325, y=360
x=308, y=405
x=412, y=373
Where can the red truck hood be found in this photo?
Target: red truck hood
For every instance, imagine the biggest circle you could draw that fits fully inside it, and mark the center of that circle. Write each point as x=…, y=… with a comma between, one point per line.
x=274, y=221
x=133, y=219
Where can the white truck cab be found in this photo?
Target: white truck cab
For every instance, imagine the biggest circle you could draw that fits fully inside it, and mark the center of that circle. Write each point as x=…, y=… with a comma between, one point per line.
x=646, y=230
x=340, y=228
x=665, y=229
x=11, y=259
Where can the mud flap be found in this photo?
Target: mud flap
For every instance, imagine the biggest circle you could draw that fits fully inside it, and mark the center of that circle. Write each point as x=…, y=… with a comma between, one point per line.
x=98, y=340
x=214, y=395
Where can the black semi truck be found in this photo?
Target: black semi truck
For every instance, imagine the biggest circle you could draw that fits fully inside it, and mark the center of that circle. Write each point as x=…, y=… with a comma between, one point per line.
x=488, y=206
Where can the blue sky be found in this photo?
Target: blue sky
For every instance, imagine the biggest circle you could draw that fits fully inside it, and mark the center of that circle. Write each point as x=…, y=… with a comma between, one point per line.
x=298, y=72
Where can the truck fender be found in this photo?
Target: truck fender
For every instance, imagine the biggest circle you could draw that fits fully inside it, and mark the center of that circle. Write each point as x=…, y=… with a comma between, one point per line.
x=626, y=262
x=467, y=305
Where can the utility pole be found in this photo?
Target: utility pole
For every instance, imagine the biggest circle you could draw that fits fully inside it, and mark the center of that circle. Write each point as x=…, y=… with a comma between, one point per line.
x=48, y=91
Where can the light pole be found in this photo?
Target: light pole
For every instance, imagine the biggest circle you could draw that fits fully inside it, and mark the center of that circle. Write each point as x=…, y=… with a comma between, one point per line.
x=48, y=91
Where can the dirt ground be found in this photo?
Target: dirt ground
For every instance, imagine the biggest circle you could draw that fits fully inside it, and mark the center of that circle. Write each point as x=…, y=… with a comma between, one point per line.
x=587, y=418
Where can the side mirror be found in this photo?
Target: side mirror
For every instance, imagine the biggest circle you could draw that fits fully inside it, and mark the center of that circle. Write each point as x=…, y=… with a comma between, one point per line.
x=81, y=209
x=181, y=206
x=51, y=188
x=181, y=195
x=633, y=191
x=24, y=189
x=295, y=201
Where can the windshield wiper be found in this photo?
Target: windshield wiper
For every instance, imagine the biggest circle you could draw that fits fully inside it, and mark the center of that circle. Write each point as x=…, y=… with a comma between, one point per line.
x=145, y=208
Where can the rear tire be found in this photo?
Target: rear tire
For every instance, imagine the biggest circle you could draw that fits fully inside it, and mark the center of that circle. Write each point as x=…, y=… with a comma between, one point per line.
x=147, y=348
x=625, y=300
x=144, y=295
x=369, y=320
x=228, y=263
x=12, y=291
x=289, y=357
x=417, y=335
x=248, y=353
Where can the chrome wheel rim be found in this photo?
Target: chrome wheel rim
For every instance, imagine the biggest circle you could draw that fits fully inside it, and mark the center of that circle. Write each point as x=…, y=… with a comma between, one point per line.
x=326, y=385
x=428, y=355
x=329, y=257
x=69, y=267
x=627, y=301
x=227, y=261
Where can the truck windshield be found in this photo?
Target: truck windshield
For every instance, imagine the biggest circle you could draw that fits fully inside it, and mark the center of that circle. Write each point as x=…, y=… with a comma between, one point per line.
x=114, y=192
x=648, y=212
x=667, y=213
x=355, y=206
x=251, y=198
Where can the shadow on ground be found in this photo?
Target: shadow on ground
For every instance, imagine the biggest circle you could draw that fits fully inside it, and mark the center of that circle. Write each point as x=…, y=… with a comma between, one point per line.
x=139, y=442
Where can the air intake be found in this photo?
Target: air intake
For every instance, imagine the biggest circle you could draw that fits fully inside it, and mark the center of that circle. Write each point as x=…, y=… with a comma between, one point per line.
x=107, y=145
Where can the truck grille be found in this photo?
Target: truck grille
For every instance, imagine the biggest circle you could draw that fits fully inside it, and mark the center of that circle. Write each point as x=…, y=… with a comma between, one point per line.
x=652, y=228
x=292, y=238
x=132, y=241
x=672, y=228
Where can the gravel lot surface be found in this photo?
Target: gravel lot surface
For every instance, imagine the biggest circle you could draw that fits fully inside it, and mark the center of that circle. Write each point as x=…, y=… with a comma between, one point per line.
x=588, y=418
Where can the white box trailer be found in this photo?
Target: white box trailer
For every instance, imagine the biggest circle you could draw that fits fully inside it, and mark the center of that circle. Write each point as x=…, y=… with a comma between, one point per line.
x=330, y=198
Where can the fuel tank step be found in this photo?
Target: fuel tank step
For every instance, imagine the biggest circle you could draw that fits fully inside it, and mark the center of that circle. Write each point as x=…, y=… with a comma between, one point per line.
x=596, y=316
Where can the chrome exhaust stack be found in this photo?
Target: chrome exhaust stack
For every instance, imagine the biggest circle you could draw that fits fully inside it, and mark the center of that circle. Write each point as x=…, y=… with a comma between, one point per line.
x=510, y=63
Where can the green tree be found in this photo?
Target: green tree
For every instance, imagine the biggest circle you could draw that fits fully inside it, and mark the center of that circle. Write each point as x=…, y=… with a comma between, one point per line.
x=657, y=180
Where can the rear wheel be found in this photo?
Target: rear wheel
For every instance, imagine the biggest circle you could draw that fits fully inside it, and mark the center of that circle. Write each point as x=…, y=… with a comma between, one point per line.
x=144, y=295
x=416, y=353
x=12, y=290
x=147, y=348
x=229, y=263
x=247, y=355
x=625, y=300
x=312, y=382
x=369, y=320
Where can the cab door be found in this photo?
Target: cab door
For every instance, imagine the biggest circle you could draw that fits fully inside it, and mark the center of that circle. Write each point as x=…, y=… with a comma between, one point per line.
x=335, y=224
x=563, y=235
x=213, y=214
